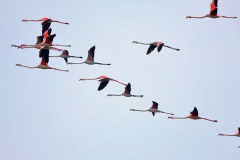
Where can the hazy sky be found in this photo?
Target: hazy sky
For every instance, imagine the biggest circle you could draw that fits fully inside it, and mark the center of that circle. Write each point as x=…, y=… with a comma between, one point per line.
x=51, y=115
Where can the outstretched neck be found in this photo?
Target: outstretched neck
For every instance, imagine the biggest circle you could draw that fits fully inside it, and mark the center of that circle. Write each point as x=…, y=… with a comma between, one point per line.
x=138, y=110
x=197, y=17
x=227, y=134
x=82, y=79
x=141, y=43
x=119, y=82
x=209, y=119
x=20, y=65
x=59, y=69
x=137, y=96
x=178, y=117
x=114, y=95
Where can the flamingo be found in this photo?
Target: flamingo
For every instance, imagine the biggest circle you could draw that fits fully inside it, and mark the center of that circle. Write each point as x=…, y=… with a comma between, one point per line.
x=46, y=43
x=153, y=109
x=153, y=45
x=38, y=46
x=213, y=12
x=103, y=81
x=90, y=58
x=127, y=92
x=48, y=39
x=236, y=135
x=65, y=55
x=44, y=54
x=46, y=22
x=193, y=115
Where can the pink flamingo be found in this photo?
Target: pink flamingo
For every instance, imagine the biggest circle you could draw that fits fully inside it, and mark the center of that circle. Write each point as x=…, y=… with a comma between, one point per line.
x=90, y=58
x=48, y=39
x=127, y=92
x=153, y=109
x=153, y=45
x=193, y=115
x=103, y=81
x=65, y=55
x=44, y=54
x=46, y=22
x=213, y=12
x=236, y=135
x=43, y=42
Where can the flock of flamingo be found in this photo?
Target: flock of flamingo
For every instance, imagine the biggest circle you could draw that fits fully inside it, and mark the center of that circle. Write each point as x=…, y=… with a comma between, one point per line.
x=44, y=43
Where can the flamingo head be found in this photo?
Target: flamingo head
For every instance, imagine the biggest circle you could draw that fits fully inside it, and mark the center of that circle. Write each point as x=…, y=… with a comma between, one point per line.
x=170, y=117
x=220, y=134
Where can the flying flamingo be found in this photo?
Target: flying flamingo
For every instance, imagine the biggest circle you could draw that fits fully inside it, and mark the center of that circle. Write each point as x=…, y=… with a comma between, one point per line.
x=46, y=22
x=40, y=40
x=193, y=115
x=46, y=43
x=44, y=54
x=236, y=135
x=90, y=58
x=153, y=45
x=48, y=39
x=65, y=55
x=127, y=92
x=103, y=81
x=153, y=109
x=213, y=12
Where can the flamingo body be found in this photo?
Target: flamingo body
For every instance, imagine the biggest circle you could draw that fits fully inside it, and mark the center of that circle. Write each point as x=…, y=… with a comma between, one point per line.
x=44, y=54
x=126, y=93
x=213, y=12
x=90, y=58
x=153, y=109
x=194, y=116
x=104, y=80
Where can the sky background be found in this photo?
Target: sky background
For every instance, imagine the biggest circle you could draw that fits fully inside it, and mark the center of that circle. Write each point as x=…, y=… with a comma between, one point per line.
x=51, y=115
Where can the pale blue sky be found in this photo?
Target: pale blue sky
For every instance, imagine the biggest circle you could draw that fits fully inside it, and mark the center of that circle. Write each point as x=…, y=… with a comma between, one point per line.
x=48, y=115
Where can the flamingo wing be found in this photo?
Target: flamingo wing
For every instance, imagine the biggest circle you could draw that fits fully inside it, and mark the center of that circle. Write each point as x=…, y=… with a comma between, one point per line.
x=51, y=37
x=155, y=105
x=213, y=7
x=159, y=48
x=91, y=54
x=103, y=84
x=46, y=23
x=44, y=54
x=194, y=112
x=151, y=48
x=39, y=39
x=65, y=52
x=128, y=89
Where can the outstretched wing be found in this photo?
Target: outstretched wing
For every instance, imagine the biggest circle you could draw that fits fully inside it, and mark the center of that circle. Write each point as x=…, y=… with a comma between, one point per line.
x=45, y=25
x=154, y=105
x=159, y=46
x=151, y=47
x=91, y=54
x=103, y=84
x=194, y=112
x=128, y=89
x=39, y=39
x=44, y=54
x=213, y=7
x=51, y=37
